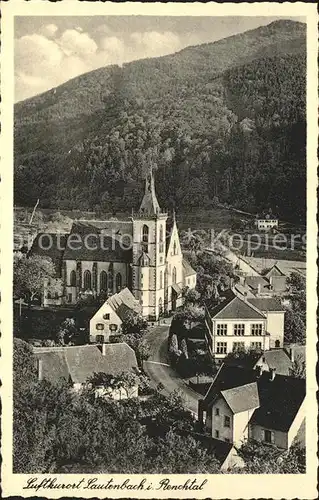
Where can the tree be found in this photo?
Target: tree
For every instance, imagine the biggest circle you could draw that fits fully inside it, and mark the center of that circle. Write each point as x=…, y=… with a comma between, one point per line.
x=191, y=296
x=29, y=274
x=184, y=350
x=134, y=324
x=295, y=327
x=173, y=350
x=296, y=282
x=298, y=369
x=66, y=332
x=189, y=315
x=126, y=382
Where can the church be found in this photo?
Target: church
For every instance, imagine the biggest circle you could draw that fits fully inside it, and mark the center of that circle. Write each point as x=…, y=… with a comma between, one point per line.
x=142, y=253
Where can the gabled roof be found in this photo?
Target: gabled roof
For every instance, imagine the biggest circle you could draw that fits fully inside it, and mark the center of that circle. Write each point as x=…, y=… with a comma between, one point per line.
x=187, y=269
x=233, y=307
x=95, y=243
x=279, y=399
x=123, y=303
x=78, y=363
x=275, y=271
x=266, y=304
x=242, y=398
x=277, y=359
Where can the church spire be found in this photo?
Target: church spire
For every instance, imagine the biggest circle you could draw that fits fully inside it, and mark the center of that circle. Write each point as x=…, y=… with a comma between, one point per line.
x=149, y=203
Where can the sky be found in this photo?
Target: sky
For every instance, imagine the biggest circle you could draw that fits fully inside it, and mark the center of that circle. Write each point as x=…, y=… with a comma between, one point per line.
x=48, y=51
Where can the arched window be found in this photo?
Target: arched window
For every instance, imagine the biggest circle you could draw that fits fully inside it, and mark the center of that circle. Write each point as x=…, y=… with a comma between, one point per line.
x=174, y=275
x=118, y=281
x=72, y=278
x=103, y=281
x=160, y=306
x=277, y=343
x=174, y=248
x=161, y=279
x=145, y=232
x=161, y=239
x=87, y=281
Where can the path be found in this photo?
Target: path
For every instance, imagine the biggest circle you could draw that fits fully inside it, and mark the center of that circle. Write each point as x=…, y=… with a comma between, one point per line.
x=159, y=371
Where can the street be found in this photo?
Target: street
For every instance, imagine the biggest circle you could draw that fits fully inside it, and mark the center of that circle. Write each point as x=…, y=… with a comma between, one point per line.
x=159, y=371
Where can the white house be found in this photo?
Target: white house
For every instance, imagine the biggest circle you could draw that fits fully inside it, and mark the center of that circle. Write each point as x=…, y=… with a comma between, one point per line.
x=244, y=404
x=76, y=364
x=266, y=222
x=108, y=319
x=243, y=323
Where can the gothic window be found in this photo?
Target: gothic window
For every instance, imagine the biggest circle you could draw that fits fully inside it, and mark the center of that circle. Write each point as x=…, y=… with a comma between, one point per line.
x=118, y=282
x=145, y=233
x=161, y=240
x=72, y=278
x=87, y=281
x=103, y=281
x=174, y=275
x=161, y=279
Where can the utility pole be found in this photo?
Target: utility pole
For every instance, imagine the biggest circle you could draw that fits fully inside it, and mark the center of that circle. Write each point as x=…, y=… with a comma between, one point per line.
x=33, y=212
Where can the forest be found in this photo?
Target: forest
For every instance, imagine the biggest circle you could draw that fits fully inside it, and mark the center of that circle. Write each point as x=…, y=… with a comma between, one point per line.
x=222, y=122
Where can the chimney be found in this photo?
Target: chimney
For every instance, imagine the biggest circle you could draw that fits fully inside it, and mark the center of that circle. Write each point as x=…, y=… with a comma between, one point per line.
x=245, y=296
x=104, y=344
x=258, y=288
x=292, y=354
x=40, y=369
x=272, y=373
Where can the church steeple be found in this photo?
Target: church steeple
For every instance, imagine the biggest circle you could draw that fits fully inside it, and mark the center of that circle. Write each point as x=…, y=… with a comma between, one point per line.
x=149, y=203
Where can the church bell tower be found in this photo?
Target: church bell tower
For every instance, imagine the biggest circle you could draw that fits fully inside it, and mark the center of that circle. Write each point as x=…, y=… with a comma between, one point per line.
x=149, y=252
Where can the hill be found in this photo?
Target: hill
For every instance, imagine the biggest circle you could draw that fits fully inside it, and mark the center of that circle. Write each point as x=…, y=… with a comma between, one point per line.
x=224, y=119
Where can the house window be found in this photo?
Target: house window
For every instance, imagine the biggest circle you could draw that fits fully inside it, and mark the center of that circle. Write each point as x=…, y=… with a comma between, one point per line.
x=239, y=329
x=238, y=346
x=268, y=436
x=217, y=412
x=226, y=421
x=256, y=329
x=255, y=345
x=99, y=338
x=277, y=343
x=73, y=278
x=99, y=326
x=216, y=434
x=106, y=316
x=222, y=329
x=221, y=348
x=174, y=275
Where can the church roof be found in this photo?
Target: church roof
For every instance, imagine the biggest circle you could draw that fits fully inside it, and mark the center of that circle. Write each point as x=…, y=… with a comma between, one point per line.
x=150, y=205
x=187, y=269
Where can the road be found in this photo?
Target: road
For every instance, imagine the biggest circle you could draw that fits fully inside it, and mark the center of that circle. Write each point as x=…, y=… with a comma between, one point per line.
x=159, y=371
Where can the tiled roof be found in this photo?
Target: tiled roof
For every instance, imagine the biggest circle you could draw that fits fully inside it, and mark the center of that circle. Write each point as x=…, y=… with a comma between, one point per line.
x=78, y=363
x=278, y=359
x=266, y=304
x=187, y=269
x=279, y=399
x=95, y=243
x=123, y=303
x=233, y=307
x=242, y=398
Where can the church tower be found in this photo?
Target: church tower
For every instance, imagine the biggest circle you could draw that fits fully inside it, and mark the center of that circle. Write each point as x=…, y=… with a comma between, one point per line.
x=149, y=251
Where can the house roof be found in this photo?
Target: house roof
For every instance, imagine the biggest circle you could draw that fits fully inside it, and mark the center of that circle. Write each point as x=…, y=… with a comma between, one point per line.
x=243, y=359
x=123, y=303
x=49, y=245
x=78, y=363
x=187, y=269
x=233, y=307
x=266, y=304
x=253, y=282
x=242, y=398
x=177, y=289
x=279, y=399
x=93, y=241
x=278, y=359
x=275, y=271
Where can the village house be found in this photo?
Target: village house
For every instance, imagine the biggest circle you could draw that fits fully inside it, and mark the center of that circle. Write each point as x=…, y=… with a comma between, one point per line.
x=266, y=222
x=141, y=252
x=252, y=404
x=275, y=359
x=77, y=364
x=108, y=319
x=243, y=323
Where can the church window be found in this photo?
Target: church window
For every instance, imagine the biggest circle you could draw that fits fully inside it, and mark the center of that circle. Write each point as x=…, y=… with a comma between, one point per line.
x=103, y=281
x=161, y=279
x=73, y=278
x=175, y=248
x=161, y=239
x=174, y=275
x=87, y=280
x=145, y=233
x=118, y=282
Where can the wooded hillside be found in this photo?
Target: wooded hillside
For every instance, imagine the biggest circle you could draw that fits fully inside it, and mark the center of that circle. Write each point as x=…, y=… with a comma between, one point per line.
x=225, y=119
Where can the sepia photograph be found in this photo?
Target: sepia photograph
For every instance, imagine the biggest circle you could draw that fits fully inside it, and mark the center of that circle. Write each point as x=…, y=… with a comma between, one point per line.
x=160, y=252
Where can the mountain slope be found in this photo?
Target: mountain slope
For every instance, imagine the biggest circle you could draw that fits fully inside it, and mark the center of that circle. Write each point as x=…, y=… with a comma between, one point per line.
x=206, y=117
